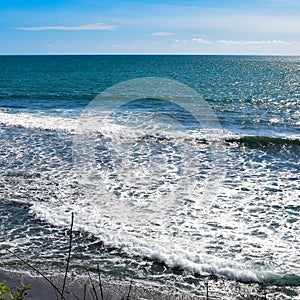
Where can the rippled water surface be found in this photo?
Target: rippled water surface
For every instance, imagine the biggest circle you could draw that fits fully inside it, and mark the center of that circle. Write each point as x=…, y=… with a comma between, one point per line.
x=142, y=191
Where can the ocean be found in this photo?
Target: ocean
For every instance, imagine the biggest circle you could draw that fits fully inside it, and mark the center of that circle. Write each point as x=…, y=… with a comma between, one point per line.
x=181, y=171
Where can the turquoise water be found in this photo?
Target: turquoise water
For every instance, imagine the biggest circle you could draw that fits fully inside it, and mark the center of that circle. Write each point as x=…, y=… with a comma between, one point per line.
x=142, y=196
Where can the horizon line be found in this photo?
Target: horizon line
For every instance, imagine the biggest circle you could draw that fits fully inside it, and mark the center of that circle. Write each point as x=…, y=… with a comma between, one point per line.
x=124, y=54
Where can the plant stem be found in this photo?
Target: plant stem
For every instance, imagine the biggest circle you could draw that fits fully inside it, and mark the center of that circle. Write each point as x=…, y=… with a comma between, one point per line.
x=92, y=284
x=39, y=272
x=69, y=256
x=100, y=283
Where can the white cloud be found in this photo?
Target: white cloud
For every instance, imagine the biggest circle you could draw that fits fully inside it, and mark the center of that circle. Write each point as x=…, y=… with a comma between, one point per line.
x=94, y=26
x=201, y=41
x=256, y=42
x=162, y=33
x=235, y=46
x=234, y=21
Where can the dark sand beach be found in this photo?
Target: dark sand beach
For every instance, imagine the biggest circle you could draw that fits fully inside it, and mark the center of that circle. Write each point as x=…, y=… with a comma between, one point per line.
x=75, y=287
x=79, y=287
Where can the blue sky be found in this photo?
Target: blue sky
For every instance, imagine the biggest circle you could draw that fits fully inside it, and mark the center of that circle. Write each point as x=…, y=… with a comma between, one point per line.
x=145, y=26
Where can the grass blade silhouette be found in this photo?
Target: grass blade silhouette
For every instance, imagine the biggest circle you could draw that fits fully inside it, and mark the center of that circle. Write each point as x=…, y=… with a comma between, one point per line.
x=69, y=255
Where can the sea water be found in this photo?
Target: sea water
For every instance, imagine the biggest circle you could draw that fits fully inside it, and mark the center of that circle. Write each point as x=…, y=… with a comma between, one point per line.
x=156, y=197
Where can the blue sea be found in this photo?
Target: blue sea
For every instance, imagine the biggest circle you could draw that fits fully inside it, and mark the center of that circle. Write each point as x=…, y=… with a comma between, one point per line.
x=181, y=171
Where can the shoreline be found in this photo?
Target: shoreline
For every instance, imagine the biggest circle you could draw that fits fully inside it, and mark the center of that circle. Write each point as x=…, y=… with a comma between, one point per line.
x=114, y=289
x=79, y=287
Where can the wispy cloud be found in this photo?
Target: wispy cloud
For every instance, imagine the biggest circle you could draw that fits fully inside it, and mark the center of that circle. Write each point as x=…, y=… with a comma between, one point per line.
x=162, y=33
x=256, y=42
x=94, y=26
x=245, y=42
x=201, y=41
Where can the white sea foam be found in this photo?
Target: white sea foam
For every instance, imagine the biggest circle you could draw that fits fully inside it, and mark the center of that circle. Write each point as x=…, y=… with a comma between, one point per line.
x=33, y=121
x=155, y=241
x=248, y=233
x=147, y=206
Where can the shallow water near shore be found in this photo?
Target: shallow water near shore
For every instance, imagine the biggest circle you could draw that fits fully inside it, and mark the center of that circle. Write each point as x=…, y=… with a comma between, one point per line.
x=139, y=206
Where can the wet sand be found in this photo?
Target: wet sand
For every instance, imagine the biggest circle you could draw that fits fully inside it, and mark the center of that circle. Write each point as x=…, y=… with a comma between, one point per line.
x=219, y=288
x=41, y=290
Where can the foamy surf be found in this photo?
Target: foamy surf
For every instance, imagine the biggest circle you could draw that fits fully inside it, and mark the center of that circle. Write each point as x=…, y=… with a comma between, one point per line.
x=122, y=214
x=38, y=122
x=160, y=247
x=143, y=222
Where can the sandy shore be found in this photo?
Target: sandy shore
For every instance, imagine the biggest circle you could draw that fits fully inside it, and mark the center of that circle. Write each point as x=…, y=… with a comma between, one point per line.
x=41, y=290
x=119, y=290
